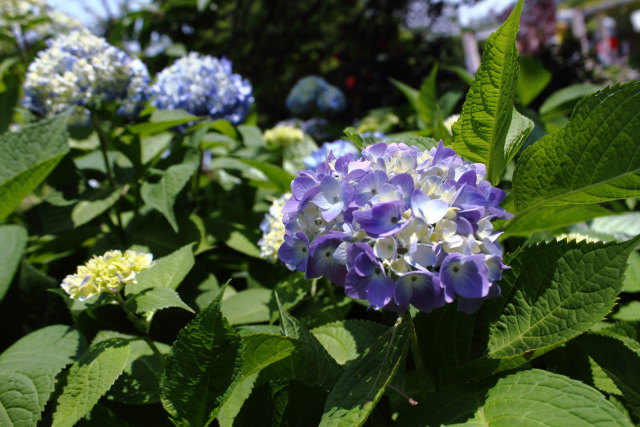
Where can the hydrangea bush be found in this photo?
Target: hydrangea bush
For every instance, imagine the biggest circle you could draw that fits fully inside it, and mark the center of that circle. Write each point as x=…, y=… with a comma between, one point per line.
x=313, y=93
x=428, y=278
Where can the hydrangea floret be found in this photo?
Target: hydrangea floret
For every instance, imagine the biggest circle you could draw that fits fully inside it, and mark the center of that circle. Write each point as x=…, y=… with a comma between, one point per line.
x=107, y=272
x=273, y=230
x=339, y=148
x=203, y=86
x=79, y=70
x=398, y=227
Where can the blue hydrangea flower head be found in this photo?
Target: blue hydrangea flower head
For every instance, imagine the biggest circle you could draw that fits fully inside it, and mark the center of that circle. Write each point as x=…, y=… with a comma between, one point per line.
x=313, y=93
x=338, y=147
x=203, y=86
x=78, y=71
x=398, y=227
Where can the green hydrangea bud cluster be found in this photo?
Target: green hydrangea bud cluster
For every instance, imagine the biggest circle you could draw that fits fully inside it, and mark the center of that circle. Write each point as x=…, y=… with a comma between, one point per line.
x=282, y=136
x=107, y=272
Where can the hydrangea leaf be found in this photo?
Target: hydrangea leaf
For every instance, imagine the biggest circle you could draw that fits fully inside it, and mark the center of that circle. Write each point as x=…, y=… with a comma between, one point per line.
x=346, y=340
x=151, y=300
x=532, y=79
x=280, y=178
x=86, y=210
x=519, y=130
x=552, y=293
x=632, y=277
x=480, y=134
x=27, y=157
x=31, y=365
x=526, y=398
x=161, y=195
x=593, y=159
x=138, y=383
x=619, y=357
x=206, y=355
x=363, y=382
x=553, y=217
x=236, y=399
x=89, y=379
x=248, y=306
x=162, y=120
x=14, y=240
x=562, y=101
x=167, y=272
x=629, y=312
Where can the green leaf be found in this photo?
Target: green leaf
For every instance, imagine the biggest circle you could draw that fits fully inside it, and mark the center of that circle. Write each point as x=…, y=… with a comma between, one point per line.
x=362, y=384
x=527, y=398
x=480, y=134
x=139, y=382
x=428, y=109
x=251, y=136
x=248, y=306
x=89, y=379
x=563, y=100
x=261, y=350
x=152, y=146
x=27, y=157
x=280, y=178
x=32, y=364
x=167, y=272
x=14, y=240
x=632, y=277
x=593, y=159
x=86, y=210
x=236, y=399
x=532, y=79
x=162, y=120
x=553, y=217
x=519, y=130
x=151, y=300
x=629, y=312
x=202, y=366
x=552, y=293
x=162, y=195
x=461, y=72
x=620, y=227
x=346, y=340
x=410, y=93
x=619, y=357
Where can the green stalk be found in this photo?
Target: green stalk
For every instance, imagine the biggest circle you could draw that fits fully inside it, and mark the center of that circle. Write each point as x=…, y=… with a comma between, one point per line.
x=426, y=380
x=140, y=327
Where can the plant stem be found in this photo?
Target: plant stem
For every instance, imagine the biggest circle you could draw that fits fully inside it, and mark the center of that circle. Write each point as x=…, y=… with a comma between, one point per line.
x=426, y=380
x=139, y=327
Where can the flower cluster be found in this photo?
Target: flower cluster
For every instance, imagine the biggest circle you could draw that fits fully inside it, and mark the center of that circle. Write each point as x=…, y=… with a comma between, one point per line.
x=273, y=230
x=398, y=227
x=203, y=86
x=78, y=71
x=283, y=135
x=107, y=272
x=313, y=93
x=338, y=147
x=448, y=123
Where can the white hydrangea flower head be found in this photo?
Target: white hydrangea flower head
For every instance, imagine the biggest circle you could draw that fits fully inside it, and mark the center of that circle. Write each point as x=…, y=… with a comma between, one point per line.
x=448, y=123
x=273, y=230
x=79, y=70
x=107, y=272
x=281, y=136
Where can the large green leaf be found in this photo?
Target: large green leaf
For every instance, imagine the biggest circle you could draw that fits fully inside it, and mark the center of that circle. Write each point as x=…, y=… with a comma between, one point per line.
x=280, y=178
x=593, y=159
x=363, y=382
x=31, y=365
x=480, y=134
x=562, y=101
x=14, y=240
x=89, y=379
x=201, y=368
x=167, y=272
x=346, y=340
x=151, y=300
x=162, y=120
x=248, y=306
x=527, y=398
x=86, y=210
x=27, y=157
x=619, y=357
x=162, y=194
x=552, y=293
x=532, y=79
x=553, y=217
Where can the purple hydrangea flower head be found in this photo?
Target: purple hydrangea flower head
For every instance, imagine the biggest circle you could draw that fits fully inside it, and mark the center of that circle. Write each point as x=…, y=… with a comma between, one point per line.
x=338, y=147
x=398, y=227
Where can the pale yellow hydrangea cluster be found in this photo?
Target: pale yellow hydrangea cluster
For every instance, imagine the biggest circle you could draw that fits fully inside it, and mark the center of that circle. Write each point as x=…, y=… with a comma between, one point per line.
x=273, y=230
x=282, y=136
x=107, y=272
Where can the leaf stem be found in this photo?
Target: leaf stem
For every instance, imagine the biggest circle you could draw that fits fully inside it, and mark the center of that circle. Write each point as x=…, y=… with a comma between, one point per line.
x=139, y=327
x=426, y=380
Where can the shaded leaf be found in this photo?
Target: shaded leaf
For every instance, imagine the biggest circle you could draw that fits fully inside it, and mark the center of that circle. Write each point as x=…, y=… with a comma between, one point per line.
x=553, y=217
x=562, y=101
x=167, y=272
x=248, y=306
x=532, y=79
x=14, y=240
x=346, y=340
